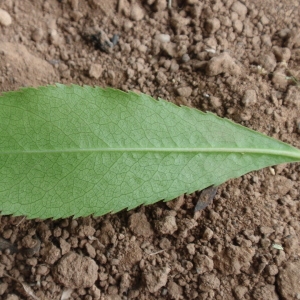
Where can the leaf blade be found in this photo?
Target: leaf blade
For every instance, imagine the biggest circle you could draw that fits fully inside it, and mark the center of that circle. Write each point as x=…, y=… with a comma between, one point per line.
x=64, y=148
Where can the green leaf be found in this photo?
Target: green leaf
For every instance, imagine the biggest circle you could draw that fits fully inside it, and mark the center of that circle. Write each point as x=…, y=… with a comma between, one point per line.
x=70, y=150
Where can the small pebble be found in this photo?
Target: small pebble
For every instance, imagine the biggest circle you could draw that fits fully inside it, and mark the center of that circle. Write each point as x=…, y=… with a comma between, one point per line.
x=282, y=54
x=156, y=278
x=163, y=38
x=95, y=71
x=136, y=13
x=240, y=9
x=215, y=102
x=185, y=57
x=207, y=234
x=167, y=225
x=5, y=18
x=174, y=67
x=222, y=63
x=160, y=5
x=266, y=40
x=268, y=62
x=3, y=287
x=212, y=25
x=184, y=91
x=161, y=78
x=264, y=20
x=249, y=98
x=37, y=34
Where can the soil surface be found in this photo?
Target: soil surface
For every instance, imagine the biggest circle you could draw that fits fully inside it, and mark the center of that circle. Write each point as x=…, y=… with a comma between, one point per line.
x=238, y=59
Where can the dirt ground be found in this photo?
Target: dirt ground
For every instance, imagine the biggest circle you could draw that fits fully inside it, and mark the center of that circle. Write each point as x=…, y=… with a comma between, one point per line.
x=238, y=59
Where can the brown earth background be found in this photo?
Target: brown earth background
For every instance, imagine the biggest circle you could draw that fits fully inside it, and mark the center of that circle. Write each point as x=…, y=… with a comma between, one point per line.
x=238, y=59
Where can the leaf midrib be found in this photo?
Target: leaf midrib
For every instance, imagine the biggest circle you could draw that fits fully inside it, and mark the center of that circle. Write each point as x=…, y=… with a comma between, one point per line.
x=163, y=150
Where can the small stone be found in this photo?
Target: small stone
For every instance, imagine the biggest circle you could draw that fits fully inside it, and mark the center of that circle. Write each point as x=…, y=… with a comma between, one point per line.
x=127, y=25
x=139, y=225
x=264, y=20
x=31, y=261
x=291, y=245
x=240, y=9
x=215, y=101
x=212, y=25
x=176, y=203
x=185, y=91
x=233, y=259
x=271, y=270
x=136, y=13
x=282, y=53
x=5, y=18
x=95, y=292
x=37, y=35
x=95, y=71
x=167, y=225
x=163, y=38
x=50, y=253
x=179, y=23
x=203, y=263
x=164, y=243
x=125, y=283
x=12, y=297
x=161, y=78
x=266, y=231
x=130, y=73
x=174, y=67
x=107, y=233
x=90, y=250
x=222, y=63
x=207, y=234
x=169, y=49
x=111, y=74
x=76, y=15
x=64, y=246
x=288, y=280
x=268, y=62
x=292, y=98
x=240, y=292
x=280, y=81
x=248, y=29
x=86, y=231
x=266, y=40
x=238, y=26
x=209, y=282
x=249, y=98
x=132, y=255
x=3, y=287
x=55, y=38
x=214, y=216
x=74, y=4
x=160, y=5
x=225, y=20
x=281, y=185
x=191, y=248
x=76, y=271
x=265, y=243
x=143, y=48
x=42, y=270
x=256, y=41
x=185, y=57
x=246, y=115
x=174, y=290
x=156, y=278
x=210, y=43
x=265, y=292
